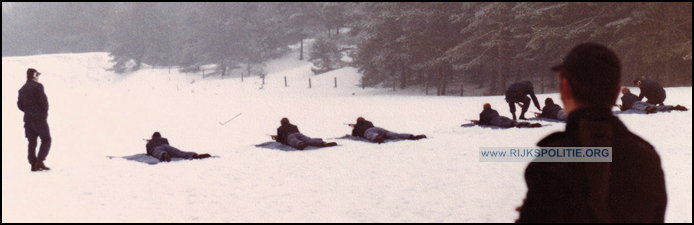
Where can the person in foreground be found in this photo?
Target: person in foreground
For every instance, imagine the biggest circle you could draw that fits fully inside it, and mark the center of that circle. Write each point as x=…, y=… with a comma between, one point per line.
x=159, y=148
x=33, y=102
x=366, y=129
x=629, y=189
x=490, y=117
x=631, y=101
x=289, y=134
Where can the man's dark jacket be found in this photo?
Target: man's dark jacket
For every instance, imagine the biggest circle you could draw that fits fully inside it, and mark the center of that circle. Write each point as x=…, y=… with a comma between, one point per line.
x=284, y=131
x=628, y=100
x=629, y=189
x=653, y=91
x=360, y=127
x=550, y=111
x=517, y=92
x=486, y=116
x=33, y=101
x=155, y=142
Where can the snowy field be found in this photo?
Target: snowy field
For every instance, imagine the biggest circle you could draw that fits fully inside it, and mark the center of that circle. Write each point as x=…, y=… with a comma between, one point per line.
x=95, y=113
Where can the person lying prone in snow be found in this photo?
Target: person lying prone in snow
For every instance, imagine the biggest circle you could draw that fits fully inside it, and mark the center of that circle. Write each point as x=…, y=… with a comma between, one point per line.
x=159, y=148
x=366, y=129
x=289, y=134
x=631, y=101
x=491, y=117
x=552, y=111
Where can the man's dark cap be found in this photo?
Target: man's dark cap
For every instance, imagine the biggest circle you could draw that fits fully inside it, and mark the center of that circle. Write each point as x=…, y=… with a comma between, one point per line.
x=589, y=57
x=156, y=135
x=31, y=73
x=593, y=72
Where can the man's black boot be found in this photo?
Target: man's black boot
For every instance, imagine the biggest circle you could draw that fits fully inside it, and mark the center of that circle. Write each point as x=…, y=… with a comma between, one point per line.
x=34, y=168
x=40, y=165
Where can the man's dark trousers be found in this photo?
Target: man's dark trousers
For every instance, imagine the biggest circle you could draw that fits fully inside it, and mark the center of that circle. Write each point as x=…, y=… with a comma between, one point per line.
x=32, y=130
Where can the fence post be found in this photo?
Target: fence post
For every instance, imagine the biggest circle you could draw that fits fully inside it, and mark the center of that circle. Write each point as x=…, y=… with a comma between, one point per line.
x=335, y=82
x=309, y=82
x=203, y=74
x=461, y=89
x=285, y=81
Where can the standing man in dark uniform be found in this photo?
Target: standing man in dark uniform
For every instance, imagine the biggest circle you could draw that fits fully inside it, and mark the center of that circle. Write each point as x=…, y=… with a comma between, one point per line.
x=34, y=103
x=517, y=93
x=652, y=90
x=629, y=189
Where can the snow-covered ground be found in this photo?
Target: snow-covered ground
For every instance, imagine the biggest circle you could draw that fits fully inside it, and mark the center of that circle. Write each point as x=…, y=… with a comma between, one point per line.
x=95, y=113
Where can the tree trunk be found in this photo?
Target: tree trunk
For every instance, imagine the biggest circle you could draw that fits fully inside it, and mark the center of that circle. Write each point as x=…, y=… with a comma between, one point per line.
x=542, y=84
x=438, y=81
x=499, y=70
x=492, y=85
x=404, y=72
x=392, y=77
x=426, y=84
x=667, y=75
x=248, y=69
x=301, y=49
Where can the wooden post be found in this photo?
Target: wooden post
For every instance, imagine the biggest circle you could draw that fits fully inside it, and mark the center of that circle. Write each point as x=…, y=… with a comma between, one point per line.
x=461, y=89
x=335, y=82
x=285, y=81
x=241, y=76
x=309, y=82
x=263, y=80
x=203, y=74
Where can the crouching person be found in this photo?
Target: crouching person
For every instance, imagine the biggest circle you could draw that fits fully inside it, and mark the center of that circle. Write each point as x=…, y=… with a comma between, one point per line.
x=366, y=129
x=159, y=148
x=289, y=134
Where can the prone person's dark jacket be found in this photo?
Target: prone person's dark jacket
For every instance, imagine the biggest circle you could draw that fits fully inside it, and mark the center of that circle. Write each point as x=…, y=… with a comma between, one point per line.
x=517, y=91
x=155, y=142
x=284, y=131
x=629, y=189
x=652, y=90
x=628, y=100
x=33, y=102
x=550, y=111
x=361, y=127
x=486, y=116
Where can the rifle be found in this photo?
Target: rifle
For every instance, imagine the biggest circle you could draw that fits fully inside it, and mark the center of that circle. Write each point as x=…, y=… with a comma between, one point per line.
x=274, y=137
x=229, y=119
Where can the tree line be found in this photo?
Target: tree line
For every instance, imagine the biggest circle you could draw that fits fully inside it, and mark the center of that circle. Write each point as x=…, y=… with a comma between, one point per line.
x=393, y=44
